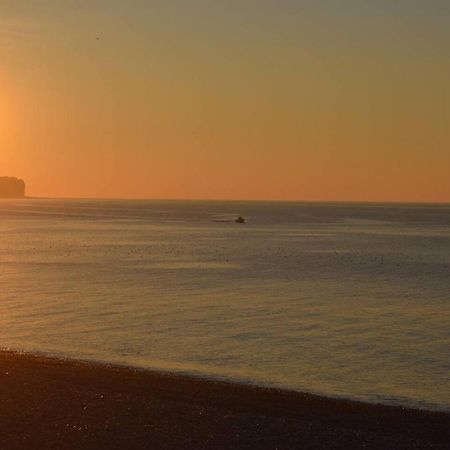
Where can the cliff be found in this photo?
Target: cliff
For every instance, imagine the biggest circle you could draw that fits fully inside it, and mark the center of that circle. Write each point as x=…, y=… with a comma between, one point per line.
x=11, y=187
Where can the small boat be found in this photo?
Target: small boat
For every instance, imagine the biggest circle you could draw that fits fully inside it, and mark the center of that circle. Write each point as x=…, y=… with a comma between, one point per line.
x=240, y=219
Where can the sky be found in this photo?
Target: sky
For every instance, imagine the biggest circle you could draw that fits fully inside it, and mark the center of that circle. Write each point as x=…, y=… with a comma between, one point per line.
x=241, y=99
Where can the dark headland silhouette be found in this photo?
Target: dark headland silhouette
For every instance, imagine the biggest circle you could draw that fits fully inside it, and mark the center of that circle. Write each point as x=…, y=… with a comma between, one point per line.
x=11, y=187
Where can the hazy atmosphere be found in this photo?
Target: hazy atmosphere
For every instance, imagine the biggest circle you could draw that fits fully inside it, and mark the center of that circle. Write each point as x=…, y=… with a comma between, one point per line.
x=292, y=100
x=224, y=224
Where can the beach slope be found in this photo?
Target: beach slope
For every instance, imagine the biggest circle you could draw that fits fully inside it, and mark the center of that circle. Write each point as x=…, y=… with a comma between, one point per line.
x=48, y=403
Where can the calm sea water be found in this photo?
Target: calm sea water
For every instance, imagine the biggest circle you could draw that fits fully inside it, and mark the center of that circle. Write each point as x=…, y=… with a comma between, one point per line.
x=347, y=300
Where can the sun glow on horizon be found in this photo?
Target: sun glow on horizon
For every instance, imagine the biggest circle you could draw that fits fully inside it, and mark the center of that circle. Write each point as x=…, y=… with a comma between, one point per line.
x=294, y=102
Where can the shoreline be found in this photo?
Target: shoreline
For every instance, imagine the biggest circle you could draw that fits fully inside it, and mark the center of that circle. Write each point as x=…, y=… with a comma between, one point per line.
x=196, y=374
x=47, y=402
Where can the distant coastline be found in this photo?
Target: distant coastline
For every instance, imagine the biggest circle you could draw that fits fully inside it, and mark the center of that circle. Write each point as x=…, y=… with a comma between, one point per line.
x=12, y=187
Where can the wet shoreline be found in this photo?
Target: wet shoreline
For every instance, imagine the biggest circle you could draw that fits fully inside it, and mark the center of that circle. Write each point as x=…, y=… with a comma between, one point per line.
x=51, y=403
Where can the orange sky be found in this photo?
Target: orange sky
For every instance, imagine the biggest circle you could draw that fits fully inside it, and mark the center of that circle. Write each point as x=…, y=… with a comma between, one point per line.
x=243, y=100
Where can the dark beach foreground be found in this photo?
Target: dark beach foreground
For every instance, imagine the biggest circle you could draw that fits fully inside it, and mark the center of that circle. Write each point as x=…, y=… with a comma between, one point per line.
x=47, y=403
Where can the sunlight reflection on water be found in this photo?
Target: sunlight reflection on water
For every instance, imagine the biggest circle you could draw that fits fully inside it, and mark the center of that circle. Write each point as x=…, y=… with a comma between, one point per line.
x=349, y=300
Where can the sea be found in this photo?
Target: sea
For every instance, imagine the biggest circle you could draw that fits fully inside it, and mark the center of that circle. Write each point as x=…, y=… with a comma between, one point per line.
x=346, y=300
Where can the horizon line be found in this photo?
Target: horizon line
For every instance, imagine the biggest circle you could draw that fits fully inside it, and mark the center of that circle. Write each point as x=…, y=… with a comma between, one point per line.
x=412, y=202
